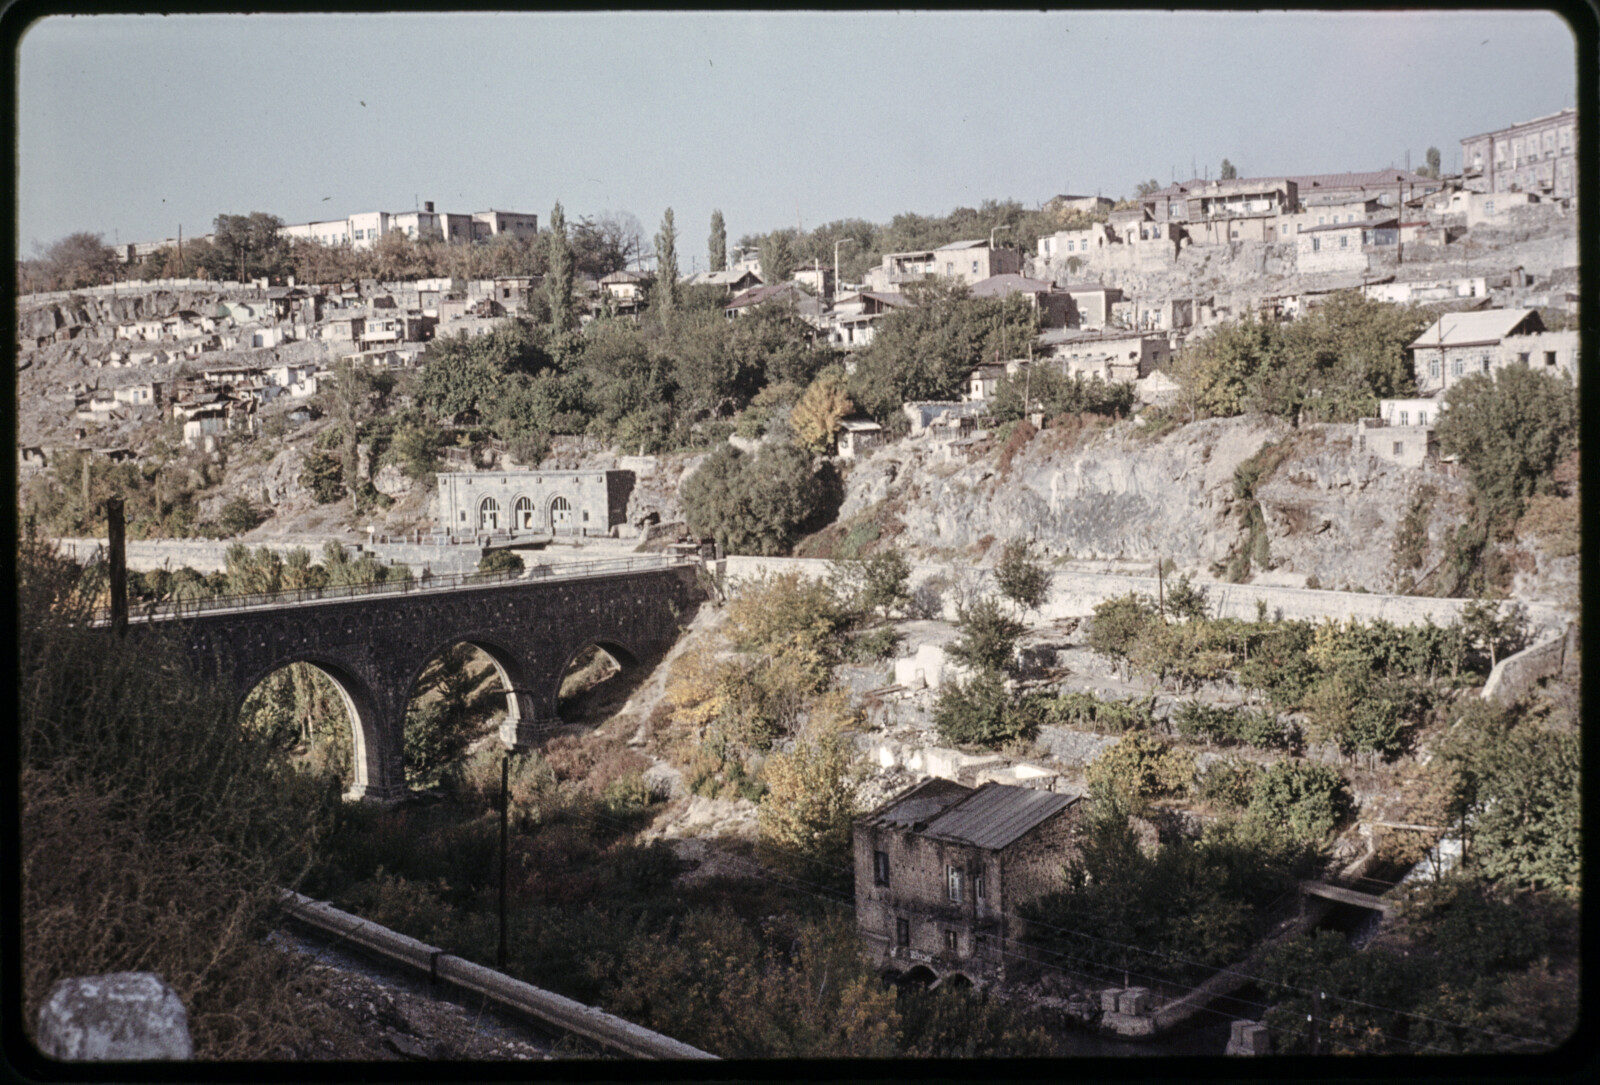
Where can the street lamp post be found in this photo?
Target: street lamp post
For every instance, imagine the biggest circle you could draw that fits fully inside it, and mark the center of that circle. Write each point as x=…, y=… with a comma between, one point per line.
x=836, y=244
x=992, y=233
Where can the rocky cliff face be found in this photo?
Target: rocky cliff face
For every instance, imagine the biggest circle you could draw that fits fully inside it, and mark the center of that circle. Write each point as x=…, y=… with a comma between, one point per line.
x=1330, y=512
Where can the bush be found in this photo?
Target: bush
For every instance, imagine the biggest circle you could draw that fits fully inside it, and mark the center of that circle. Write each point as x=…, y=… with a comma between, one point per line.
x=752, y=504
x=1021, y=577
x=1228, y=783
x=981, y=713
x=153, y=833
x=988, y=640
x=323, y=475
x=1077, y=708
x=1141, y=767
x=1305, y=802
x=1119, y=625
x=501, y=561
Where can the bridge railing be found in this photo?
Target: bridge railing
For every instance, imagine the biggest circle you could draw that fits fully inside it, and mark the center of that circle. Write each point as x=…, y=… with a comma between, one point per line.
x=188, y=608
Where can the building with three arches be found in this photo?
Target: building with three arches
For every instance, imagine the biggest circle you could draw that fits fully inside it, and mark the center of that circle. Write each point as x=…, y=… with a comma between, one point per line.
x=573, y=503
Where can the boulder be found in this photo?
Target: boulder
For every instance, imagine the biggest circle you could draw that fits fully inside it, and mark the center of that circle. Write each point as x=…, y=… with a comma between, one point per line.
x=120, y=1016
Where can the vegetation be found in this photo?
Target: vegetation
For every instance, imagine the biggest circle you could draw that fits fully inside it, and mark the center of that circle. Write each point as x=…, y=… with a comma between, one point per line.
x=753, y=503
x=138, y=791
x=1020, y=576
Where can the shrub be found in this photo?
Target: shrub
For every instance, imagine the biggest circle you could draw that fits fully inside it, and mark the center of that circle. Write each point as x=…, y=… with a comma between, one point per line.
x=988, y=638
x=1228, y=783
x=981, y=713
x=501, y=561
x=1077, y=708
x=323, y=475
x=1021, y=577
x=1141, y=767
x=1119, y=625
x=1303, y=801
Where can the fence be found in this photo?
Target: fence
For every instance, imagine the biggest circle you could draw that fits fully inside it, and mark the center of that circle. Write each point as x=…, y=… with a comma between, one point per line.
x=188, y=608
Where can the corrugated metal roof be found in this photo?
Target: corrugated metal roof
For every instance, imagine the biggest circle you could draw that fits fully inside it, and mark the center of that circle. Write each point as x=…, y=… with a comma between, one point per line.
x=1485, y=326
x=997, y=814
x=920, y=803
x=963, y=245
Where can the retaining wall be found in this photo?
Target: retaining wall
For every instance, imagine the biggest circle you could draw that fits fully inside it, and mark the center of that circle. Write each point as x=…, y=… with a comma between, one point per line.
x=211, y=555
x=522, y=999
x=1075, y=595
x=1516, y=674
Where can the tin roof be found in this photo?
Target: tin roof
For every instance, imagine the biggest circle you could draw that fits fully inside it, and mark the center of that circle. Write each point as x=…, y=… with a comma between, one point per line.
x=984, y=242
x=995, y=815
x=1010, y=283
x=919, y=804
x=1468, y=329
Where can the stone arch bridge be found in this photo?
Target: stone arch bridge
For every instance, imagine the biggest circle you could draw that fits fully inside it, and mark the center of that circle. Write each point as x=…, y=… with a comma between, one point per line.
x=375, y=646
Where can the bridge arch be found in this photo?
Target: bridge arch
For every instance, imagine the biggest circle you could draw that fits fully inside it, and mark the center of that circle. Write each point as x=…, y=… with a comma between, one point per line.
x=370, y=768
x=509, y=666
x=625, y=657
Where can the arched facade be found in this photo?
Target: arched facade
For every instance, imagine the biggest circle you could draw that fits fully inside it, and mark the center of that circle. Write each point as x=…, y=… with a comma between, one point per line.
x=563, y=502
x=489, y=513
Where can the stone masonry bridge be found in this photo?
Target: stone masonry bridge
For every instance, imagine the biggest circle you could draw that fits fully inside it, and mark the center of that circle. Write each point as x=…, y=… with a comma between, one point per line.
x=374, y=646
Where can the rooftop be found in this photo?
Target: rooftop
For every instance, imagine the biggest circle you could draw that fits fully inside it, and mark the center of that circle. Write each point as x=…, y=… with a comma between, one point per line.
x=1467, y=329
x=1010, y=283
x=995, y=815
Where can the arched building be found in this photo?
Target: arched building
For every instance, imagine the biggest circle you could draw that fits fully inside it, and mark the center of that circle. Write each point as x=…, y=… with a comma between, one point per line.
x=533, y=502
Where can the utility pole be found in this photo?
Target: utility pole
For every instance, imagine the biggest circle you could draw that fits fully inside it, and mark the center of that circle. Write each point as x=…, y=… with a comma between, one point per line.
x=119, y=566
x=836, y=244
x=505, y=810
x=1161, y=589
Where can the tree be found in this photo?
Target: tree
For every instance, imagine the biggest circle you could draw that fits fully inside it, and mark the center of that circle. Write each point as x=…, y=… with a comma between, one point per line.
x=558, y=283
x=610, y=243
x=1145, y=188
x=239, y=515
x=252, y=244
x=777, y=257
x=323, y=475
x=1216, y=371
x=1510, y=431
x=1141, y=767
x=501, y=561
x=879, y=583
x=1229, y=173
x=752, y=504
x=666, y=285
x=1021, y=577
x=718, y=243
x=76, y=261
x=1119, y=625
x=1302, y=800
x=988, y=640
x=1432, y=168
x=980, y=712
x=807, y=811
x=816, y=417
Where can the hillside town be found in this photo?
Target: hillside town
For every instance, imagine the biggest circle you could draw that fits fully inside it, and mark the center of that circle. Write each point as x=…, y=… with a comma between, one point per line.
x=1091, y=602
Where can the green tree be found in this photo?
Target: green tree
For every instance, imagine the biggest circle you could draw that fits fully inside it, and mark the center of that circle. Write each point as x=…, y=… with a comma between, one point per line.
x=1141, y=767
x=239, y=515
x=665, y=295
x=806, y=814
x=323, y=475
x=988, y=640
x=1216, y=372
x=980, y=712
x=1229, y=172
x=752, y=504
x=777, y=258
x=1119, y=624
x=1510, y=431
x=1020, y=576
x=252, y=244
x=1433, y=162
x=558, y=283
x=1302, y=800
x=877, y=584
x=718, y=243
x=1145, y=188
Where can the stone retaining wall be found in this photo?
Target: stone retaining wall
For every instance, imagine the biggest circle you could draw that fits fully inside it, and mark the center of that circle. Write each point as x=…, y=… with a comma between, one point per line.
x=1075, y=594
x=1516, y=674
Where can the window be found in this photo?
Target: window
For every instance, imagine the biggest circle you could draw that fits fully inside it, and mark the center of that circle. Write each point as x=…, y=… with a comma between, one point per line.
x=1433, y=368
x=977, y=885
x=1483, y=360
x=1344, y=241
x=1405, y=418
x=953, y=884
x=1488, y=207
x=1316, y=244
x=1456, y=368
x=1422, y=418
x=1522, y=357
x=880, y=868
x=1319, y=220
x=950, y=267
x=902, y=933
x=1550, y=358
x=950, y=941
x=974, y=267
x=1283, y=229
x=1399, y=447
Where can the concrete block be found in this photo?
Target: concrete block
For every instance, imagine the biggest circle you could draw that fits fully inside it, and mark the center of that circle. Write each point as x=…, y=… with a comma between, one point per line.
x=1249, y=1038
x=1108, y=999
x=120, y=1016
x=1134, y=1001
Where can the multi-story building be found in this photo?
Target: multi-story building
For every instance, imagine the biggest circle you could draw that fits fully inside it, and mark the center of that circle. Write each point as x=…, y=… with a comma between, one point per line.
x=941, y=869
x=1534, y=156
x=363, y=229
x=964, y=261
x=533, y=502
x=1458, y=345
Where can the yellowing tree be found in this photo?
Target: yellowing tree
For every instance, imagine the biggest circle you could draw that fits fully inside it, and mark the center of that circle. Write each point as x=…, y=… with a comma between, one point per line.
x=806, y=813
x=815, y=419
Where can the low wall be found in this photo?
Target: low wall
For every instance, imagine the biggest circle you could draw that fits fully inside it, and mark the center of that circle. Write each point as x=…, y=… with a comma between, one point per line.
x=1075, y=595
x=521, y=999
x=1516, y=674
x=211, y=555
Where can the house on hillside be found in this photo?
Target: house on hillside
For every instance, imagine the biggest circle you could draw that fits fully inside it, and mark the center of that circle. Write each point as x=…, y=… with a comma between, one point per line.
x=806, y=307
x=961, y=261
x=1533, y=156
x=853, y=315
x=734, y=280
x=941, y=869
x=1091, y=304
x=537, y=502
x=626, y=289
x=1109, y=355
x=857, y=435
x=1053, y=306
x=1458, y=345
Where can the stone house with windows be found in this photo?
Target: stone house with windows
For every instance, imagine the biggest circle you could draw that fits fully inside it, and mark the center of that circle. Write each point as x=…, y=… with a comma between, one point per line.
x=1458, y=345
x=1111, y=355
x=581, y=503
x=1533, y=156
x=941, y=868
x=1053, y=306
x=1334, y=247
x=963, y=261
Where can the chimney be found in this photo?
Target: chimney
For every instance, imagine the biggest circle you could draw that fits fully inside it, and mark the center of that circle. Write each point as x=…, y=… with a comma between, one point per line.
x=427, y=205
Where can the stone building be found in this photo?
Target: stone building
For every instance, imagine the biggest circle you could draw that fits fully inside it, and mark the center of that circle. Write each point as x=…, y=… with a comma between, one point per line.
x=1458, y=345
x=1534, y=156
x=941, y=868
x=589, y=503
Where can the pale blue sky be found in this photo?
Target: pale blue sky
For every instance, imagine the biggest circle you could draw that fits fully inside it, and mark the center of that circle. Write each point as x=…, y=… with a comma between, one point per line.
x=131, y=125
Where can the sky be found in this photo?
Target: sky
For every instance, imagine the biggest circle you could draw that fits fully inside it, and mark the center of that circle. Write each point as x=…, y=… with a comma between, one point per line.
x=132, y=126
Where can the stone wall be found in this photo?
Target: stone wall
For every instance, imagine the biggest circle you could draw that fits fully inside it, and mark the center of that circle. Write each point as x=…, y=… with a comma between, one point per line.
x=211, y=555
x=1516, y=674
